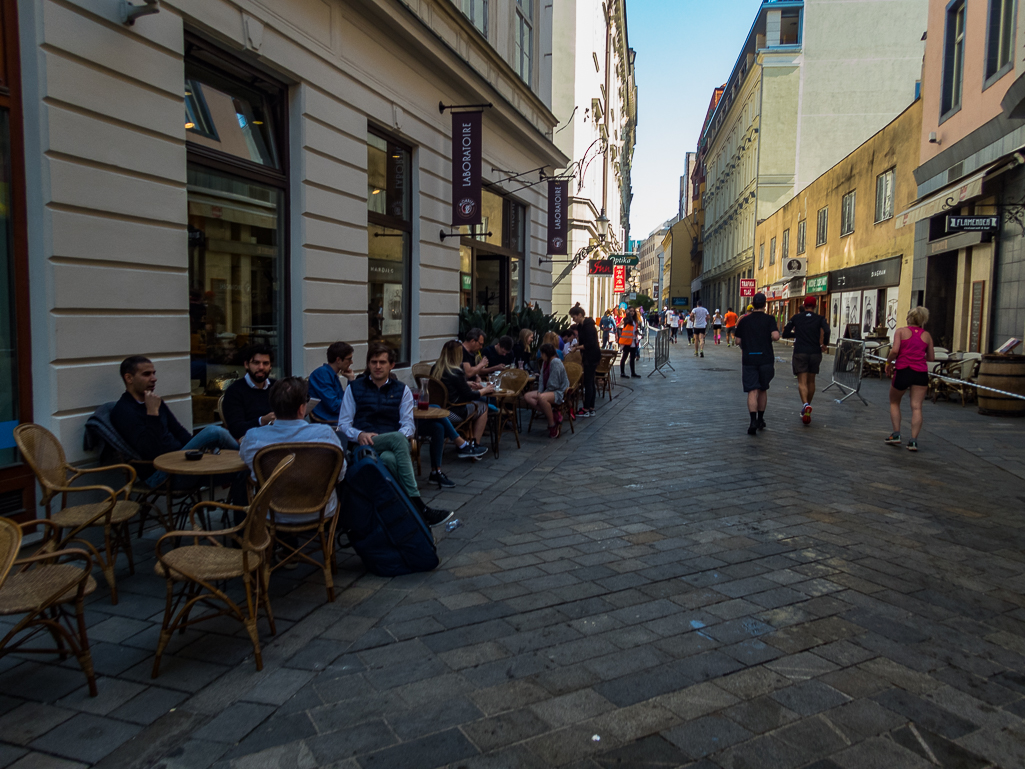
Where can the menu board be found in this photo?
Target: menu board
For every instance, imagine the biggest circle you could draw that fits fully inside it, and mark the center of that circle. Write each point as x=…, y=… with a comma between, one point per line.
x=975, y=327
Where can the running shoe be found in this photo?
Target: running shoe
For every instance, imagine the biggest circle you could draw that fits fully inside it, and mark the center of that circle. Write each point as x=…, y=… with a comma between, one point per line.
x=443, y=481
x=893, y=439
x=806, y=414
x=702, y=353
x=912, y=445
x=584, y=414
x=636, y=376
x=466, y=451
x=433, y=517
x=553, y=431
x=591, y=413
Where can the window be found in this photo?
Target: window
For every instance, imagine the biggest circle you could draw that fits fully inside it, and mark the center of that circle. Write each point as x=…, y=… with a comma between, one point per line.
x=821, y=226
x=785, y=246
x=802, y=227
x=761, y=256
x=237, y=187
x=523, y=42
x=884, y=196
x=772, y=251
x=477, y=12
x=953, y=59
x=9, y=379
x=790, y=27
x=847, y=214
x=1000, y=40
x=389, y=234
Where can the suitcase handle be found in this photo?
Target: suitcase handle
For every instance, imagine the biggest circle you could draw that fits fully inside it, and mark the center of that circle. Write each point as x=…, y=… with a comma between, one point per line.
x=362, y=452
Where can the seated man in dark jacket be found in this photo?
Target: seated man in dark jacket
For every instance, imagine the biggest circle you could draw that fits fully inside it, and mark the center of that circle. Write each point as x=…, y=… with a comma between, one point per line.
x=147, y=425
x=246, y=403
x=377, y=410
x=499, y=355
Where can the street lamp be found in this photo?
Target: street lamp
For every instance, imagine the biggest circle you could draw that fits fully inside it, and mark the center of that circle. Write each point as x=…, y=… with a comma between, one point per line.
x=602, y=225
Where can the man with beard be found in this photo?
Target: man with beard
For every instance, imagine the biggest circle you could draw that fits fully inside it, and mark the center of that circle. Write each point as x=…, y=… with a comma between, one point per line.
x=246, y=403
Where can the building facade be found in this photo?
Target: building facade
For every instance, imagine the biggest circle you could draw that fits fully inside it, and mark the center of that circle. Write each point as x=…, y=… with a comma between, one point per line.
x=680, y=267
x=224, y=173
x=835, y=240
x=650, y=260
x=972, y=163
x=814, y=80
x=594, y=97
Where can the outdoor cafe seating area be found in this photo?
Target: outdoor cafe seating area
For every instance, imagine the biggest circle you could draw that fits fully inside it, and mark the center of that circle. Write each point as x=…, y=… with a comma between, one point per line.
x=215, y=560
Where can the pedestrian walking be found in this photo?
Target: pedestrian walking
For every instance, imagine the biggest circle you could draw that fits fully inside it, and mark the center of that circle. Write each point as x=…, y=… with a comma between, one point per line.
x=717, y=321
x=690, y=328
x=608, y=329
x=700, y=316
x=730, y=322
x=908, y=365
x=810, y=332
x=672, y=322
x=755, y=333
x=628, y=343
x=590, y=356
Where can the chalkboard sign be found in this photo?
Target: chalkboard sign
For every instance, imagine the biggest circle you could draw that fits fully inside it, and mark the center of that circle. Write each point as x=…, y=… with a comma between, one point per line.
x=975, y=329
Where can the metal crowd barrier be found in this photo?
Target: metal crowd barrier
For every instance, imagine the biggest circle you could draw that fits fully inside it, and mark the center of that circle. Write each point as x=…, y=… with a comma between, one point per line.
x=662, y=352
x=848, y=363
x=934, y=375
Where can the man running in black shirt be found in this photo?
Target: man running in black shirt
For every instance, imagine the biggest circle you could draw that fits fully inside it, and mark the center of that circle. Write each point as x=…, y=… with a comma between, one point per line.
x=756, y=332
x=810, y=332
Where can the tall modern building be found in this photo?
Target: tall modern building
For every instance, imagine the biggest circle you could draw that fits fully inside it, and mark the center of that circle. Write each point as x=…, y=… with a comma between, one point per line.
x=594, y=96
x=814, y=79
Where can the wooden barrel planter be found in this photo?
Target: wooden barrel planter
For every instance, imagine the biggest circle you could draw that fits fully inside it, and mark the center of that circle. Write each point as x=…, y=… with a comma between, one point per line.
x=1004, y=372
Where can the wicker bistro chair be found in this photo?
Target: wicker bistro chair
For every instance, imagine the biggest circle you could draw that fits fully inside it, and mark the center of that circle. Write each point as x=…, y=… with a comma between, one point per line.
x=966, y=373
x=603, y=376
x=201, y=566
x=439, y=396
x=514, y=381
x=299, y=500
x=574, y=357
x=113, y=512
x=421, y=372
x=40, y=587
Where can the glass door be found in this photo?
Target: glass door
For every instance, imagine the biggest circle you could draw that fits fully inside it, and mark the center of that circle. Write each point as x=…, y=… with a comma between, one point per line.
x=492, y=283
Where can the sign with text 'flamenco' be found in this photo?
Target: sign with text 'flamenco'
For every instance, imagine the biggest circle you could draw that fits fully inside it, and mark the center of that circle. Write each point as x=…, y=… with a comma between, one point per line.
x=466, y=164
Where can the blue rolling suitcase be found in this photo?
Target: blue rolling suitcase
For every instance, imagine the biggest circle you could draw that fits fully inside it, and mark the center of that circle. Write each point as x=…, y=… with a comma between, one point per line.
x=384, y=527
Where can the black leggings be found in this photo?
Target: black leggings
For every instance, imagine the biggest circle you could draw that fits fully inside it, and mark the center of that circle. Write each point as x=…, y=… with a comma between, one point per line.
x=632, y=353
x=590, y=391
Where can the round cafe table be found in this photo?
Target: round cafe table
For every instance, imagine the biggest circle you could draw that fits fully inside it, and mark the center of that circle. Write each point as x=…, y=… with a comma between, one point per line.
x=175, y=463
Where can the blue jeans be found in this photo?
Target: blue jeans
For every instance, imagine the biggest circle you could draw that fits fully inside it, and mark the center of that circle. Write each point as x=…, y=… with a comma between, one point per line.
x=438, y=430
x=211, y=436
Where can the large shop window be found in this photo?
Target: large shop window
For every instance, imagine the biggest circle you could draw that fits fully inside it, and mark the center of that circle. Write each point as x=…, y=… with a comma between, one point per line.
x=389, y=231
x=9, y=368
x=492, y=257
x=237, y=193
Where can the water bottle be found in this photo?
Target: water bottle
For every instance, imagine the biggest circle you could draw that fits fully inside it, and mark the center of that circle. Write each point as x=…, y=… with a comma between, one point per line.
x=452, y=525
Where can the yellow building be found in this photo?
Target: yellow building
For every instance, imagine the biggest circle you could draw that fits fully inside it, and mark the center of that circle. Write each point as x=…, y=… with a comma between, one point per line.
x=679, y=247
x=836, y=239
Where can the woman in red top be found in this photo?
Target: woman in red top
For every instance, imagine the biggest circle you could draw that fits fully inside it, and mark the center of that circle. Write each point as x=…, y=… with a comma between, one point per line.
x=908, y=364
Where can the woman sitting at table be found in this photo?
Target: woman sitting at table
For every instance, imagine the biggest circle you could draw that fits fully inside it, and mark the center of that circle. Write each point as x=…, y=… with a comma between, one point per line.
x=448, y=370
x=551, y=389
x=521, y=350
x=554, y=340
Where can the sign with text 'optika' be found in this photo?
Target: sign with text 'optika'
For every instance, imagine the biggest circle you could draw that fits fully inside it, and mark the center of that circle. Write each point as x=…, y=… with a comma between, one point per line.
x=466, y=164
x=558, y=196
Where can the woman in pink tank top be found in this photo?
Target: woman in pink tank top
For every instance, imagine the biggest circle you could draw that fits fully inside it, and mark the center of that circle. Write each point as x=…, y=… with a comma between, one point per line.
x=908, y=365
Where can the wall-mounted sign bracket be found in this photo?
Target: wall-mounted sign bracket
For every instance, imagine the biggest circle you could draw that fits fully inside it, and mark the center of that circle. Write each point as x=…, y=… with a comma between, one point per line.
x=442, y=106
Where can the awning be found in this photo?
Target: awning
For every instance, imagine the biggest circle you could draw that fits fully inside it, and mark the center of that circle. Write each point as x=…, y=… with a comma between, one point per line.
x=695, y=285
x=949, y=197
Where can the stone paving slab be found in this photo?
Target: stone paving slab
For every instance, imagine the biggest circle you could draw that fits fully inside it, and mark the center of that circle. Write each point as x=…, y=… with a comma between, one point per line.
x=658, y=590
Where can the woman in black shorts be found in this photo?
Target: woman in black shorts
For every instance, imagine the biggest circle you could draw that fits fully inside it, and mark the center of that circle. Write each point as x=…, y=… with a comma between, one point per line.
x=908, y=364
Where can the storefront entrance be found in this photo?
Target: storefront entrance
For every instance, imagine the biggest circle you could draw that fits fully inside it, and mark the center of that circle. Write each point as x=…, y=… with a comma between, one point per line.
x=491, y=259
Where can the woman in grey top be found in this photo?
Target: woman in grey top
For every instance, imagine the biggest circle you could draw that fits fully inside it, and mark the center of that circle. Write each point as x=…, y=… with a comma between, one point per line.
x=552, y=384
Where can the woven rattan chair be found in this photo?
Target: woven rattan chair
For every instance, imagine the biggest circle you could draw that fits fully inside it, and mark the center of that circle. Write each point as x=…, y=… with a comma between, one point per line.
x=199, y=569
x=575, y=372
x=41, y=587
x=44, y=454
x=602, y=375
x=514, y=381
x=574, y=357
x=439, y=396
x=298, y=501
x=420, y=372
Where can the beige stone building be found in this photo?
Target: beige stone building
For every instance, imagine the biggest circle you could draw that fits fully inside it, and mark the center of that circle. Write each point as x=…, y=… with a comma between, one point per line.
x=814, y=79
x=229, y=172
x=836, y=241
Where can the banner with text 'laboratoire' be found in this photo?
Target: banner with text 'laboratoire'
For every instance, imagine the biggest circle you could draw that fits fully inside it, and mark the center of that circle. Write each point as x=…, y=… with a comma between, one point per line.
x=558, y=190
x=466, y=168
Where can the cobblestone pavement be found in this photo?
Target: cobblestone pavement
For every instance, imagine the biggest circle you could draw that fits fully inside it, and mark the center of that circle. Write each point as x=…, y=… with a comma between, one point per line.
x=659, y=590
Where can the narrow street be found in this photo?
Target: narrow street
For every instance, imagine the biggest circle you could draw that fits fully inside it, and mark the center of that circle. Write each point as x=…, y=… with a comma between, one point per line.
x=658, y=590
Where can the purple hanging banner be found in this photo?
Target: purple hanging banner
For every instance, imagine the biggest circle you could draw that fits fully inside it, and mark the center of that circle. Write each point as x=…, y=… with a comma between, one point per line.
x=466, y=165
x=558, y=200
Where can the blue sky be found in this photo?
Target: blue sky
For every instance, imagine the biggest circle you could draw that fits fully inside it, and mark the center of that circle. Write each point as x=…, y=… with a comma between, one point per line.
x=685, y=48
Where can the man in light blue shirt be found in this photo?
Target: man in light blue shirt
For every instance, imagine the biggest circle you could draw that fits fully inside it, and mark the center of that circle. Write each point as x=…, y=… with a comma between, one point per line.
x=288, y=398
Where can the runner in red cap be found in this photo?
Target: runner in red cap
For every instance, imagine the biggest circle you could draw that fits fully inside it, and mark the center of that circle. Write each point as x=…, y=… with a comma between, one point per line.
x=810, y=332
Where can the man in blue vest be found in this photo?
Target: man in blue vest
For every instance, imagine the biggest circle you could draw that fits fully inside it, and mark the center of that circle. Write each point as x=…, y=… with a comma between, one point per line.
x=377, y=410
